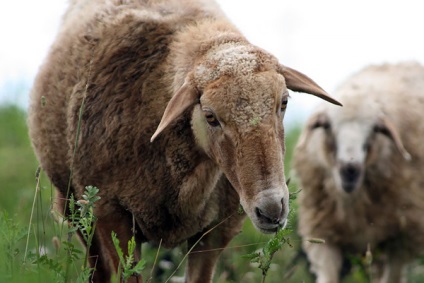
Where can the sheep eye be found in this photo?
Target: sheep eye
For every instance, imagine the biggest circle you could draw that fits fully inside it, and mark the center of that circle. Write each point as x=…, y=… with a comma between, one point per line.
x=211, y=119
x=324, y=125
x=284, y=104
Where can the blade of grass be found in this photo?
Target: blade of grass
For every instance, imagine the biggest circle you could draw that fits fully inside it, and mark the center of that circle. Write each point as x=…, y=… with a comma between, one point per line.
x=37, y=188
x=195, y=244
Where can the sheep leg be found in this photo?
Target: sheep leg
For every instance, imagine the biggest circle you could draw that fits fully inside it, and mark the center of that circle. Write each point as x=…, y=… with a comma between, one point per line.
x=207, y=246
x=326, y=261
x=393, y=271
x=103, y=255
x=204, y=255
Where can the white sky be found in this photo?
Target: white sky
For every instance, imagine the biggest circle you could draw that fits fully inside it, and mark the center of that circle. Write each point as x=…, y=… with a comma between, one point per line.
x=328, y=39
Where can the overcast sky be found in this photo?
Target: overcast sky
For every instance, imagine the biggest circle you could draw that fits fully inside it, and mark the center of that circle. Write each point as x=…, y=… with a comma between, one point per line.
x=328, y=39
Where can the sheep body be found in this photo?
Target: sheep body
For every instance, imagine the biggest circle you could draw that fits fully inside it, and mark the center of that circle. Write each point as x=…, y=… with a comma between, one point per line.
x=167, y=109
x=360, y=171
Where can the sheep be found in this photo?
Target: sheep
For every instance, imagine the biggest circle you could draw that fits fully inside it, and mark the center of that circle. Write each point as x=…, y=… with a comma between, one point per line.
x=360, y=172
x=181, y=122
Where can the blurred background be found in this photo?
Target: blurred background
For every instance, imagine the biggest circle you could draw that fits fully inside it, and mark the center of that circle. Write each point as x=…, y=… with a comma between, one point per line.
x=328, y=40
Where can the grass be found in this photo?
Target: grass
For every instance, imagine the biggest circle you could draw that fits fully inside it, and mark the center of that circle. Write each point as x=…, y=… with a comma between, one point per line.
x=45, y=250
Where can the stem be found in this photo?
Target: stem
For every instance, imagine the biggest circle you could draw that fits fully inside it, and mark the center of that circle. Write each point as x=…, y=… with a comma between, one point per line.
x=81, y=111
x=195, y=244
x=37, y=188
x=154, y=263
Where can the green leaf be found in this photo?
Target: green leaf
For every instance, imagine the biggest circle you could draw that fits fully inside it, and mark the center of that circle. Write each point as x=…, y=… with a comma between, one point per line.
x=115, y=241
x=139, y=267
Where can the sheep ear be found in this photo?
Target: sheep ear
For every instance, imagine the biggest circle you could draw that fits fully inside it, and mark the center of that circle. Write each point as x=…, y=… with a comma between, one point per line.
x=387, y=128
x=297, y=81
x=319, y=120
x=186, y=96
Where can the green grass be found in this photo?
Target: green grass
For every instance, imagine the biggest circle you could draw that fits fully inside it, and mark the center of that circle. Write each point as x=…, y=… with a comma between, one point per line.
x=54, y=255
x=18, y=166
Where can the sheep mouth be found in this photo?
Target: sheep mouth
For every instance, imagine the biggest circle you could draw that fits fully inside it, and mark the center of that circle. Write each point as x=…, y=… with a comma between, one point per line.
x=270, y=229
x=349, y=187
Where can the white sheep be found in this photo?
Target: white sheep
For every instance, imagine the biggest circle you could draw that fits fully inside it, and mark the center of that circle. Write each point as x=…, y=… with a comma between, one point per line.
x=360, y=169
x=181, y=121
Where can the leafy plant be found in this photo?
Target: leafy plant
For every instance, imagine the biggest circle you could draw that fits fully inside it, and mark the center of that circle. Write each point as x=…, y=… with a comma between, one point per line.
x=82, y=219
x=264, y=257
x=128, y=264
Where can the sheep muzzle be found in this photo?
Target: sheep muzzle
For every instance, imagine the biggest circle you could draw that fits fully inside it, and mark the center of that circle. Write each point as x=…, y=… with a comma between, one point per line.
x=269, y=210
x=350, y=175
x=259, y=171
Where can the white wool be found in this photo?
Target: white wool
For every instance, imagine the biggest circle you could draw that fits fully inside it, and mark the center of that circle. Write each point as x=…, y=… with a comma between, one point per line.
x=231, y=58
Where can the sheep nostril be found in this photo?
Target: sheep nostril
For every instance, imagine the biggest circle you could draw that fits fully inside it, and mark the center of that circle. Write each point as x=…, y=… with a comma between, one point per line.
x=267, y=218
x=350, y=173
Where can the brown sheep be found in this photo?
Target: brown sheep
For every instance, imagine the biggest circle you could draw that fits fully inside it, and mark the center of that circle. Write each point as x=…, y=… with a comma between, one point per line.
x=360, y=171
x=218, y=100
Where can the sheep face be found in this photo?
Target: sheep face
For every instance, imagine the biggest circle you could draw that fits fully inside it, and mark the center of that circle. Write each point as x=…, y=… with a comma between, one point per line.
x=238, y=123
x=239, y=94
x=352, y=147
x=353, y=139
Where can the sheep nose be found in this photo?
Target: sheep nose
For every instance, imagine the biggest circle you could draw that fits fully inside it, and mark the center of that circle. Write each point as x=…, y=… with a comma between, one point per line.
x=350, y=173
x=271, y=213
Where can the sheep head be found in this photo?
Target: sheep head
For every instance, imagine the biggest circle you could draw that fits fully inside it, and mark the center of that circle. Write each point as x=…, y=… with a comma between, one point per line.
x=239, y=99
x=352, y=140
